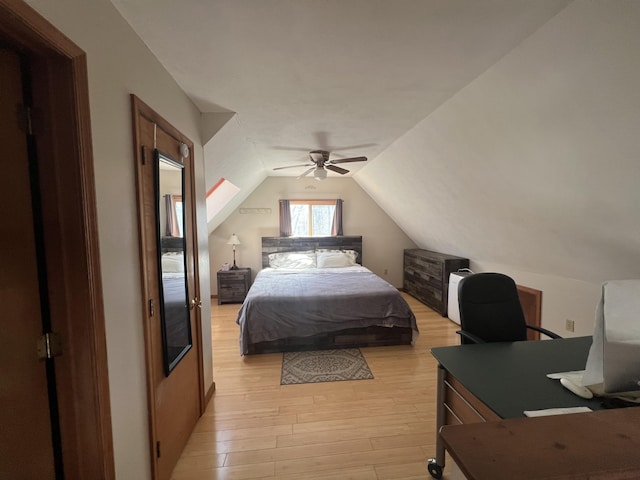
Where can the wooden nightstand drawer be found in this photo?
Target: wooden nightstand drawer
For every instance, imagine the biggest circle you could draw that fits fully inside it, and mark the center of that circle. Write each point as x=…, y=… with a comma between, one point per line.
x=233, y=285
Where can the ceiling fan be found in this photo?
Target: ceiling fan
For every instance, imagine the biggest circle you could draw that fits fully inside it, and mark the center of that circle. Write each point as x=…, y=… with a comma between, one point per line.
x=320, y=163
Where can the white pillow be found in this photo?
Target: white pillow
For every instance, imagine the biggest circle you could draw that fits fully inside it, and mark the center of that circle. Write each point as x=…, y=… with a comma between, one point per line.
x=353, y=255
x=334, y=259
x=172, y=263
x=293, y=259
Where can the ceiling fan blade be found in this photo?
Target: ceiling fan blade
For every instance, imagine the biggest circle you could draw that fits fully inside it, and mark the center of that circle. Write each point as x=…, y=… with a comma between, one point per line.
x=348, y=160
x=339, y=170
x=294, y=166
x=307, y=172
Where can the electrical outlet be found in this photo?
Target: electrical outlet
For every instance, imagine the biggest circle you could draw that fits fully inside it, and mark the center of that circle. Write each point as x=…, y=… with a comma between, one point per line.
x=569, y=325
x=386, y=271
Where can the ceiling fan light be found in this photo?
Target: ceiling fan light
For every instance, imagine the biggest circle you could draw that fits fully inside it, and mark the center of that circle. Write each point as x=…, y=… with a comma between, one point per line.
x=319, y=174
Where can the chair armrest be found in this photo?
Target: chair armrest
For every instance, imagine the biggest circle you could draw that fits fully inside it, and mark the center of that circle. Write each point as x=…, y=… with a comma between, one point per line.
x=548, y=333
x=470, y=336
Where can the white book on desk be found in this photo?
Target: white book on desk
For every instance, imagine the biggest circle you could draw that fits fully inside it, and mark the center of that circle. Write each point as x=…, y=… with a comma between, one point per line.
x=556, y=411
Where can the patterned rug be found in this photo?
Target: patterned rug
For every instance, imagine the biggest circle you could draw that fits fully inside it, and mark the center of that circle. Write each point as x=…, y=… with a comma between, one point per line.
x=324, y=366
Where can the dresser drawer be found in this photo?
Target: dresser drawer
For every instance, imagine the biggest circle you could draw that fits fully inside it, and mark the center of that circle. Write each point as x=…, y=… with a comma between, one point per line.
x=425, y=289
x=462, y=407
x=424, y=266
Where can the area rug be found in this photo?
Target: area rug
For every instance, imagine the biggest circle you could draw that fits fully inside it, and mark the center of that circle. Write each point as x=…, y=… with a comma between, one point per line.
x=324, y=366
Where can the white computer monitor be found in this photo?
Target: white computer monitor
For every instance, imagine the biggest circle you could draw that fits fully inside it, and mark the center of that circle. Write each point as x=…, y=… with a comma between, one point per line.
x=613, y=365
x=621, y=368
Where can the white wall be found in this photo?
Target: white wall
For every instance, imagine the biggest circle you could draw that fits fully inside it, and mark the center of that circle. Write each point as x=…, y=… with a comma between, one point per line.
x=120, y=64
x=382, y=240
x=532, y=169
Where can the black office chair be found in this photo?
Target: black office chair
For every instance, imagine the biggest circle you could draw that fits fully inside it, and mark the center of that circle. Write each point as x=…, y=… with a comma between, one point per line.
x=490, y=310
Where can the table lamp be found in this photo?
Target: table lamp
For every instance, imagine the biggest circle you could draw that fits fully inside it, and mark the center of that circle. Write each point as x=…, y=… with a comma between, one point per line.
x=234, y=240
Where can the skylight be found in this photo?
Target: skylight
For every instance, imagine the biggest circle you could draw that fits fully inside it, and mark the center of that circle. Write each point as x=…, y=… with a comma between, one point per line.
x=219, y=196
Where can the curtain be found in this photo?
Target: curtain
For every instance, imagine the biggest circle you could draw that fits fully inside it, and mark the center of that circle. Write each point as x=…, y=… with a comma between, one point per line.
x=285, y=218
x=336, y=227
x=172, y=229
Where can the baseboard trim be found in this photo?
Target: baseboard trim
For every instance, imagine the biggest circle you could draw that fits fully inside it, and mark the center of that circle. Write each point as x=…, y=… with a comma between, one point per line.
x=209, y=394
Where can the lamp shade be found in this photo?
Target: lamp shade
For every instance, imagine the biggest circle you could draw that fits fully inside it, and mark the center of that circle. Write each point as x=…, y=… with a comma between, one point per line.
x=233, y=240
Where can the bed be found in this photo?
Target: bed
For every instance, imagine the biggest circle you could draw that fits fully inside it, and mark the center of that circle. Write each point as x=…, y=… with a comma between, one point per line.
x=174, y=300
x=313, y=293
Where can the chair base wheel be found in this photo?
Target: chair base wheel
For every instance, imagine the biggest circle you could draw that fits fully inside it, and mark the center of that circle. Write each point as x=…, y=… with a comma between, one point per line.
x=434, y=469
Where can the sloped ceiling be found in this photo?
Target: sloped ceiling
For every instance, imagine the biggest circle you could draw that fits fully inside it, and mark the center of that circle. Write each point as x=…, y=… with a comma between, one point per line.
x=501, y=130
x=350, y=76
x=534, y=164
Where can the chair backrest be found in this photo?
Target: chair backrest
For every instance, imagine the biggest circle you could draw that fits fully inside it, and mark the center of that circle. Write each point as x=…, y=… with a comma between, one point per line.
x=490, y=308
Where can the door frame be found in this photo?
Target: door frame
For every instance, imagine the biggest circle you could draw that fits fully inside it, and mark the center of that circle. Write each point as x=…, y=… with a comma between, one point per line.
x=61, y=92
x=143, y=155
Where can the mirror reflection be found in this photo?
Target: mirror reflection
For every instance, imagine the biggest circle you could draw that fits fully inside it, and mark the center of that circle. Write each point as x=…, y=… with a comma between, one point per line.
x=174, y=304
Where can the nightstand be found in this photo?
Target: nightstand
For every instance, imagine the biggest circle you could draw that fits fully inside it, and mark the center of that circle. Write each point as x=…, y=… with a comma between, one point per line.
x=233, y=285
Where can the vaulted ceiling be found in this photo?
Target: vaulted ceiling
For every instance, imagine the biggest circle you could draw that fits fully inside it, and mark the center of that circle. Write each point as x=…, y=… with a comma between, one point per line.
x=486, y=122
x=349, y=76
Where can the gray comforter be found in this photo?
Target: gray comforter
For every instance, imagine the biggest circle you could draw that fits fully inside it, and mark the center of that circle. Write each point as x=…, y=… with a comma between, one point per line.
x=299, y=303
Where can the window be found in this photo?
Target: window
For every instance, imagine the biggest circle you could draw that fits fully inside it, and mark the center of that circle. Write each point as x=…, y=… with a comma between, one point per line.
x=218, y=196
x=312, y=218
x=177, y=205
x=171, y=210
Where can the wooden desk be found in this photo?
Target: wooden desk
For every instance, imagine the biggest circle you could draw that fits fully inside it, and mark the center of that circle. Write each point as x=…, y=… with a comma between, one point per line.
x=597, y=445
x=495, y=381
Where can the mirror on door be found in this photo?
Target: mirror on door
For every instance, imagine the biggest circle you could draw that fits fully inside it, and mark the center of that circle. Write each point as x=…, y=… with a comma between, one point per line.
x=174, y=305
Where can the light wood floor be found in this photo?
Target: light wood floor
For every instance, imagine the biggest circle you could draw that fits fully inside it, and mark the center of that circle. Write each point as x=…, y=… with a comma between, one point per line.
x=379, y=429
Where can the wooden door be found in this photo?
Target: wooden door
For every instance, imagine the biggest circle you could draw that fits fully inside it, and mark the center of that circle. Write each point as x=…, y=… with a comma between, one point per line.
x=26, y=453
x=65, y=240
x=175, y=401
x=531, y=303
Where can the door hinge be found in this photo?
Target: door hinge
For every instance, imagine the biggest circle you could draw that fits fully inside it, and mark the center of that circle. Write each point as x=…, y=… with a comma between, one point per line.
x=151, y=308
x=49, y=346
x=158, y=449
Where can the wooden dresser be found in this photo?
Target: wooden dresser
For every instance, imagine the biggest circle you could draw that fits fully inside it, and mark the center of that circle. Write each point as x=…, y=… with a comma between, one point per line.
x=233, y=285
x=426, y=276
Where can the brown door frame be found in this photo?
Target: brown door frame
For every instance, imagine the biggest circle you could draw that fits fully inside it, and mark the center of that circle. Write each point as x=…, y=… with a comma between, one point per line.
x=143, y=156
x=64, y=148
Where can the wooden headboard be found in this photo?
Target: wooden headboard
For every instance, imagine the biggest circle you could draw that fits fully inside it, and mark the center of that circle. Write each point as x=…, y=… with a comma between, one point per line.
x=172, y=244
x=296, y=244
